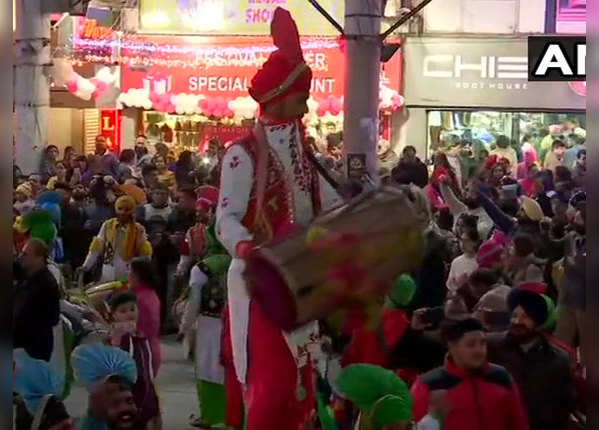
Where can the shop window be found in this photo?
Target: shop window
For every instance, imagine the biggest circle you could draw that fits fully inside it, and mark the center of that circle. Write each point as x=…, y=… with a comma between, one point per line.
x=465, y=135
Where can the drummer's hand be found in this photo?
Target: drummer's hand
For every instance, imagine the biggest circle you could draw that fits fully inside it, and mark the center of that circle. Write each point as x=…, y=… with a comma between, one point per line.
x=244, y=249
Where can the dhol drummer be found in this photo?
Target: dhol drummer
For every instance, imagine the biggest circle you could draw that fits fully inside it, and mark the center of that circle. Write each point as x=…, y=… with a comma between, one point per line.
x=268, y=187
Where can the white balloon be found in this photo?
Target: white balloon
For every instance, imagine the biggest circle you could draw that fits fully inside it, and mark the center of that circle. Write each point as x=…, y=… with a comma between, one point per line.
x=105, y=75
x=312, y=105
x=86, y=85
x=62, y=71
x=84, y=95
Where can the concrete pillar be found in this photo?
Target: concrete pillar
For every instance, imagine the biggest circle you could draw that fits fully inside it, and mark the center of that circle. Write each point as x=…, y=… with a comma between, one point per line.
x=362, y=76
x=31, y=84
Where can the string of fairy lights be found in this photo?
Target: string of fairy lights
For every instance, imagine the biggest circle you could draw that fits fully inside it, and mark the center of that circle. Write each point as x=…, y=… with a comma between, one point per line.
x=140, y=51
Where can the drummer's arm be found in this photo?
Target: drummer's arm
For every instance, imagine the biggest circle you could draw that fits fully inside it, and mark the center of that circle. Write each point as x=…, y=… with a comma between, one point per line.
x=237, y=177
x=329, y=197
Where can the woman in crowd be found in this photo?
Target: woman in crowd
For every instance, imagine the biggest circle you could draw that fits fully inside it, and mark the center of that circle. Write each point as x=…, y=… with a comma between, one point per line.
x=164, y=175
x=48, y=166
x=60, y=177
x=185, y=171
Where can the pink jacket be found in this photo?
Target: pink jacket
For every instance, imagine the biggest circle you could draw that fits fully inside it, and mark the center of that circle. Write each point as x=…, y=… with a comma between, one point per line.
x=148, y=322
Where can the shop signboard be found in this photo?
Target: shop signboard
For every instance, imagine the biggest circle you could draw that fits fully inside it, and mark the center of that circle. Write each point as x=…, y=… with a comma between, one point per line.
x=475, y=72
x=224, y=66
x=110, y=124
x=234, y=17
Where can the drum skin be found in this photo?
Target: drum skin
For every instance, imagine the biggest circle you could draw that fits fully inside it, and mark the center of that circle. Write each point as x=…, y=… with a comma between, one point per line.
x=345, y=258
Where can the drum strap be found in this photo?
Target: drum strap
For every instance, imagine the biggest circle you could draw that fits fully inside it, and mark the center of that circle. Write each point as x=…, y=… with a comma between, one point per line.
x=262, y=166
x=261, y=169
x=320, y=169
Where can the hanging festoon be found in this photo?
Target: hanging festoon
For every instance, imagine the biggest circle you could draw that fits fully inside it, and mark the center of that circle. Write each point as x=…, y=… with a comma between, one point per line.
x=187, y=104
x=243, y=108
x=163, y=102
x=86, y=89
x=135, y=97
x=332, y=105
x=389, y=99
x=216, y=107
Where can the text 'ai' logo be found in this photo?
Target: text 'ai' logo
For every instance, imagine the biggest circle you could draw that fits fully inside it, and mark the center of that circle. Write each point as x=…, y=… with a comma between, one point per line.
x=553, y=58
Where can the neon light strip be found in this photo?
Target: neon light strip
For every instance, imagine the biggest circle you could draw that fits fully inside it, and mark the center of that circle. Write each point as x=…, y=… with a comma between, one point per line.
x=149, y=47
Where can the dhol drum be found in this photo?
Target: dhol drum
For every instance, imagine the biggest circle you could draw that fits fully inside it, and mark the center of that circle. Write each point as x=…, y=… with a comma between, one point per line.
x=345, y=258
x=97, y=296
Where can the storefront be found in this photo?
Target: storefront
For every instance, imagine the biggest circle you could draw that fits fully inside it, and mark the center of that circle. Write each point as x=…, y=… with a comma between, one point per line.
x=82, y=94
x=185, y=90
x=193, y=89
x=478, y=88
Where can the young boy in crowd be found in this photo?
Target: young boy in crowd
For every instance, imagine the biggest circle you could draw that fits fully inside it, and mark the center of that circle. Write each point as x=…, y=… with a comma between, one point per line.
x=23, y=199
x=124, y=335
x=463, y=265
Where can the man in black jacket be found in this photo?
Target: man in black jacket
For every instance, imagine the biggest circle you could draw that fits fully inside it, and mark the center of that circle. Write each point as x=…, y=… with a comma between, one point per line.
x=541, y=370
x=36, y=304
x=410, y=170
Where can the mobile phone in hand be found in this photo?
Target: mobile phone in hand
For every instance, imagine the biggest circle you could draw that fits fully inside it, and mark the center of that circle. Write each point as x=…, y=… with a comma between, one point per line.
x=433, y=316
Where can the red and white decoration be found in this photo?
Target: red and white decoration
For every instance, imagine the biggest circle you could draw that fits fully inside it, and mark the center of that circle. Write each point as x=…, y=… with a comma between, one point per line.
x=86, y=89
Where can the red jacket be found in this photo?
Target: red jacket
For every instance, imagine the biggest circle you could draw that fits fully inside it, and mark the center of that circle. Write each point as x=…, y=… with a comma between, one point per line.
x=367, y=345
x=487, y=401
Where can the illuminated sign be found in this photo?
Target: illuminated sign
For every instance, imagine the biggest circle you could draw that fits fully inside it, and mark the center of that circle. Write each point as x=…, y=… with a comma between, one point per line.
x=110, y=128
x=224, y=66
x=234, y=17
x=470, y=72
x=455, y=66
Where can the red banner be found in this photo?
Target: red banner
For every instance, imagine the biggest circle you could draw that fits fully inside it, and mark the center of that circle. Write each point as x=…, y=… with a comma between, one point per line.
x=110, y=128
x=224, y=66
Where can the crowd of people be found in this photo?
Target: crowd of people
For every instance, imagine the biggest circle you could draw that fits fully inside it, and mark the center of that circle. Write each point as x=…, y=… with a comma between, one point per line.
x=502, y=284
x=114, y=251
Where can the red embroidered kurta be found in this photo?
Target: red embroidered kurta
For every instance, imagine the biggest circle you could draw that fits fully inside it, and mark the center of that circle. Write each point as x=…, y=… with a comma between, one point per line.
x=294, y=194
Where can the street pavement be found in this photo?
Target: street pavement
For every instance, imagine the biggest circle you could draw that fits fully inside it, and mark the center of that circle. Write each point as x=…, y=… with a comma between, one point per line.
x=175, y=385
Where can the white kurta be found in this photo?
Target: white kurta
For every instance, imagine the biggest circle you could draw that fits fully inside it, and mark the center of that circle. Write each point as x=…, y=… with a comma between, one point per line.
x=208, y=332
x=237, y=178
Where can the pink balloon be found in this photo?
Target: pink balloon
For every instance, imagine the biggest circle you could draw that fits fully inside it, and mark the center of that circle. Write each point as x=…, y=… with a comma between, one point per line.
x=210, y=104
x=397, y=101
x=218, y=112
x=101, y=86
x=203, y=105
x=336, y=106
x=165, y=98
x=221, y=103
x=229, y=113
x=321, y=111
x=72, y=85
